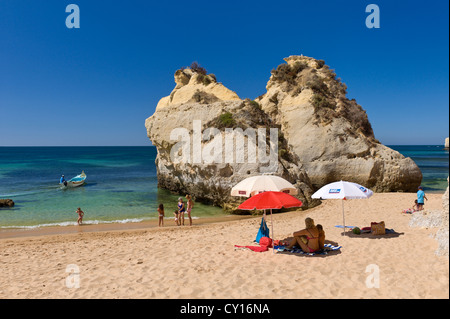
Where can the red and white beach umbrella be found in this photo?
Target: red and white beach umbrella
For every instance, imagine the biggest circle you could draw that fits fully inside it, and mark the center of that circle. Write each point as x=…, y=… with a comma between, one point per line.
x=263, y=183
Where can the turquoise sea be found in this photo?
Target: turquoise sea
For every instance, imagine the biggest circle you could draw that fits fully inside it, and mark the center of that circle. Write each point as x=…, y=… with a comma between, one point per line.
x=121, y=185
x=433, y=162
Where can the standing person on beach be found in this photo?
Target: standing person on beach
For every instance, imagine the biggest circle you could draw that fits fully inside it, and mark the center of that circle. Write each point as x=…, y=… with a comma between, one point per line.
x=80, y=216
x=161, y=215
x=420, y=198
x=190, y=204
x=181, y=210
x=175, y=213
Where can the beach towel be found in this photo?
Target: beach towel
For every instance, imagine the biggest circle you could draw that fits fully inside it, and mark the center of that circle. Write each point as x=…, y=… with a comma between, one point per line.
x=368, y=229
x=263, y=231
x=258, y=249
x=341, y=226
x=298, y=250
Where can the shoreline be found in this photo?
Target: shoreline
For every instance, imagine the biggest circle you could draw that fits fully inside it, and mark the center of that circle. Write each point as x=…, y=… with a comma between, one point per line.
x=8, y=233
x=11, y=233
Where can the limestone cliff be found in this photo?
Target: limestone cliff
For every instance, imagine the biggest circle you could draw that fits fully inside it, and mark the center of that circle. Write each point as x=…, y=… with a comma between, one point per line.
x=443, y=232
x=331, y=134
x=435, y=219
x=193, y=107
x=192, y=86
x=322, y=135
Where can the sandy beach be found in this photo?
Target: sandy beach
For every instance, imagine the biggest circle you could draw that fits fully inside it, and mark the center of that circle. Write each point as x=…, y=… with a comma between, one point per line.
x=144, y=261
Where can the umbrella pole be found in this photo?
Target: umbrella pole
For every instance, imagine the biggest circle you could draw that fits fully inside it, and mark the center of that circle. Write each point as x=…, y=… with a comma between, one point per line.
x=273, y=237
x=343, y=215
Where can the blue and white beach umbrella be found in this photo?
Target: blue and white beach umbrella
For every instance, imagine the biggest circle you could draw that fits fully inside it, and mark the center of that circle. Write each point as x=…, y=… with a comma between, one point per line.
x=342, y=190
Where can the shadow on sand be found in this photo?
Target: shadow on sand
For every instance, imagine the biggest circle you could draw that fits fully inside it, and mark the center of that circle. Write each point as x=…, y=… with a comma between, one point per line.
x=389, y=234
x=320, y=255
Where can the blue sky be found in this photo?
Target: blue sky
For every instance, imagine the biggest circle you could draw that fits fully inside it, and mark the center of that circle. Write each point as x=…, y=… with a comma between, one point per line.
x=96, y=85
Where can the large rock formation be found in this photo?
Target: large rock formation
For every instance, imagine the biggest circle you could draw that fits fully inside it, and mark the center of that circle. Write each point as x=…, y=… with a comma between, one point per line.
x=322, y=137
x=208, y=168
x=436, y=219
x=195, y=86
x=330, y=133
x=443, y=232
x=6, y=203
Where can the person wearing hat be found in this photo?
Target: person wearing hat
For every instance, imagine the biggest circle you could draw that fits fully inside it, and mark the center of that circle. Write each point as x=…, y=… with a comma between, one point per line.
x=420, y=198
x=63, y=180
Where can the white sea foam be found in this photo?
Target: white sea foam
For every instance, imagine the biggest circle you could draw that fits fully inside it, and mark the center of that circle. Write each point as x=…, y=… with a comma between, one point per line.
x=71, y=223
x=88, y=222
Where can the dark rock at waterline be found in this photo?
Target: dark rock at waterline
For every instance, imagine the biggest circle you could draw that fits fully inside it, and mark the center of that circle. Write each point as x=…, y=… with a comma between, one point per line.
x=6, y=203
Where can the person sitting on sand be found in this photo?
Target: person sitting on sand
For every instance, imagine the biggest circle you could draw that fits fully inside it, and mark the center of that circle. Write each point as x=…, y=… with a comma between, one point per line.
x=161, y=215
x=321, y=236
x=80, y=216
x=190, y=204
x=415, y=207
x=308, y=239
x=181, y=210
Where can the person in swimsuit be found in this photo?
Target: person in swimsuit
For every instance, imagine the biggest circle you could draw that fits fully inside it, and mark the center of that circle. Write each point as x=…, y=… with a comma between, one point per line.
x=321, y=236
x=80, y=216
x=181, y=210
x=308, y=238
x=161, y=215
x=190, y=204
x=175, y=213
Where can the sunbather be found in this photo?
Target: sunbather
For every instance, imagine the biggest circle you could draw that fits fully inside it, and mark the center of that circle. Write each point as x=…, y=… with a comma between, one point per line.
x=308, y=239
x=321, y=236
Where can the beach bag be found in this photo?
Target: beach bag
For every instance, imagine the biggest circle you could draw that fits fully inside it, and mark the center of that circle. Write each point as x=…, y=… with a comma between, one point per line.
x=378, y=228
x=265, y=241
x=263, y=231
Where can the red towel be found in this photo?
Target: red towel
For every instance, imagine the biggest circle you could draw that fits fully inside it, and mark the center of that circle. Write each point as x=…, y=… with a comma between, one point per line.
x=254, y=248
